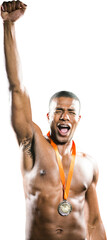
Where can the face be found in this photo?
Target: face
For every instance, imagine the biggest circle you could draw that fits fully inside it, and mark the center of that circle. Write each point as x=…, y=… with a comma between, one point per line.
x=63, y=118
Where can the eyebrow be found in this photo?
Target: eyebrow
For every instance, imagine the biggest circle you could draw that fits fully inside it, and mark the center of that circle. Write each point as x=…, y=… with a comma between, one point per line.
x=69, y=109
x=58, y=108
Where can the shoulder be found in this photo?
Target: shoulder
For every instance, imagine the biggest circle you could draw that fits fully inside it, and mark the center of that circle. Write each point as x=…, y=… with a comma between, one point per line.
x=36, y=128
x=39, y=137
x=93, y=163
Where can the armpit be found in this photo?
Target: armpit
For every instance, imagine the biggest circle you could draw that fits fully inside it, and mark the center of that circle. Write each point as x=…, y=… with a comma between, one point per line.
x=28, y=153
x=27, y=146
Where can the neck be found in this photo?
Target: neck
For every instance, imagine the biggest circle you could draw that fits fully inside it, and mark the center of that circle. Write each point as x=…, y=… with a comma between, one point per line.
x=65, y=148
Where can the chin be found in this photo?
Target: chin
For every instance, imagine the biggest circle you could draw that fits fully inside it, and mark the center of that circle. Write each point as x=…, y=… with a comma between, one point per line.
x=63, y=139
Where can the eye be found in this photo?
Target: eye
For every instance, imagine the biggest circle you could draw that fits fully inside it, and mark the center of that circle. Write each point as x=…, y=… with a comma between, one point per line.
x=58, y=111
x=72, y=112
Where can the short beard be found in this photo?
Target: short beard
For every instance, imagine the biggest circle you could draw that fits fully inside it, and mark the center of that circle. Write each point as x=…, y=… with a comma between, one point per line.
x=58, y=142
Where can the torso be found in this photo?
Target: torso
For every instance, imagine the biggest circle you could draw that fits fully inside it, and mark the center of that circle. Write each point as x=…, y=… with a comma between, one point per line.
x=44, y=191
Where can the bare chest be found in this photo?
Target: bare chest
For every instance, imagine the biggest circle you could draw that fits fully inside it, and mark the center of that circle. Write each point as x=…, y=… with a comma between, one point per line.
x=45, y=175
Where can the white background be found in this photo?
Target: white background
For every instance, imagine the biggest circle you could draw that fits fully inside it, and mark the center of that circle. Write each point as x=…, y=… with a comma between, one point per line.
x=62, y=46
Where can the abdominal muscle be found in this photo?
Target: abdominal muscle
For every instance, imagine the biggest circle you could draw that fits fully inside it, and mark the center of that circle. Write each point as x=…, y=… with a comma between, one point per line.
x=43, y=221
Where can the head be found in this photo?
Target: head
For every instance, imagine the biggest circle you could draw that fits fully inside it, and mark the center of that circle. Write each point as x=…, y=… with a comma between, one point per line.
x=63, y=116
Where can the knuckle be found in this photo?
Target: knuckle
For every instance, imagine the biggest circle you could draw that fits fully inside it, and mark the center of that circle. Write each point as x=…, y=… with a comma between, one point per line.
x=13, y=5
x=9, y=8
x=4, y=6
x=17, y=4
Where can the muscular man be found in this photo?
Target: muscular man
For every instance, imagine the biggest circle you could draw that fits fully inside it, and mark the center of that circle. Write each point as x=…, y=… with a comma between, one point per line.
x=54, y=209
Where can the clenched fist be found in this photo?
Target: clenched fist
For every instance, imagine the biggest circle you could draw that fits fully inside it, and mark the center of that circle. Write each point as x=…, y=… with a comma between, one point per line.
x=11, y=11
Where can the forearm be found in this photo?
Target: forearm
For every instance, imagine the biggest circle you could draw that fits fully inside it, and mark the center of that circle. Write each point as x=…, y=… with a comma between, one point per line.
x=11, y=56
x=96, y=231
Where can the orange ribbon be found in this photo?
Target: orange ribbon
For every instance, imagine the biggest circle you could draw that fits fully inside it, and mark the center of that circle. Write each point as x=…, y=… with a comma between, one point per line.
x=61, y=170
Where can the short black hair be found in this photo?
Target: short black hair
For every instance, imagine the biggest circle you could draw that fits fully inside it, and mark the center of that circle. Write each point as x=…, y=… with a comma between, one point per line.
x=64, y=94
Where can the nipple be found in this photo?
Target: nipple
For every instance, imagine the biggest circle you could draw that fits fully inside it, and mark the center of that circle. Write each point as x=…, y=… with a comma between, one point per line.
x=42, y=172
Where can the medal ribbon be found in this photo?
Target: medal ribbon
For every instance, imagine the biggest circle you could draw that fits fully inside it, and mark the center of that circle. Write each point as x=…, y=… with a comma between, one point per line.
x=61, y=170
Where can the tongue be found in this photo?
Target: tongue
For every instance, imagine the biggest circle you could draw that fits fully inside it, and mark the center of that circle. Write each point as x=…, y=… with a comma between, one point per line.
x=64, y=130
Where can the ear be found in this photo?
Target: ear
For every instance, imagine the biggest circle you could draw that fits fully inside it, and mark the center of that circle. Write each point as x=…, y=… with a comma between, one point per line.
x=79, y=117
x=47, y=116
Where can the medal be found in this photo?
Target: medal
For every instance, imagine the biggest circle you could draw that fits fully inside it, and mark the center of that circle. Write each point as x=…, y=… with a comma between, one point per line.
x=64, y=208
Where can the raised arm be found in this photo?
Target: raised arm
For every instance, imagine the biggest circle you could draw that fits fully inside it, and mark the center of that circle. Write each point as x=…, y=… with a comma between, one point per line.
x=21, y=110
x=95, y=226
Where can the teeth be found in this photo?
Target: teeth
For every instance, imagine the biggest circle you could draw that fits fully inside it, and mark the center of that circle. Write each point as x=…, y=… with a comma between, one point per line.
x=63, y=126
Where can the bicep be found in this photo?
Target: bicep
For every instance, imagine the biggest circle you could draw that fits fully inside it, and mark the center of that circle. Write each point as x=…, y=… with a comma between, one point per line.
x=92, y=205
x=91, y=195
x=21, y=115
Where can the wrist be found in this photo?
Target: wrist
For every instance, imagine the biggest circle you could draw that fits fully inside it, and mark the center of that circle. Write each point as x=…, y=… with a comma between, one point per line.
x=8, y=23
x=9, y=26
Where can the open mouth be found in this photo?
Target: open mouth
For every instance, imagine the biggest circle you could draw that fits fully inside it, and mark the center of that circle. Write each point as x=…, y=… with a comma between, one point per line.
x=63, y=129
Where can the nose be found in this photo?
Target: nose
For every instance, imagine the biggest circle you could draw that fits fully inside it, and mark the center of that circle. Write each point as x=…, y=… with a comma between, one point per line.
x=64, y=116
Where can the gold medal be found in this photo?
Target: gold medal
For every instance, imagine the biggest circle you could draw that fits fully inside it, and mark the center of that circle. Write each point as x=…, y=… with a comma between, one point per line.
x=64, y=208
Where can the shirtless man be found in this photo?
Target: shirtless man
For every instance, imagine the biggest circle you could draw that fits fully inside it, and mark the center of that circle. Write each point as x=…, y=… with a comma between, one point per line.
x=44, y=191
